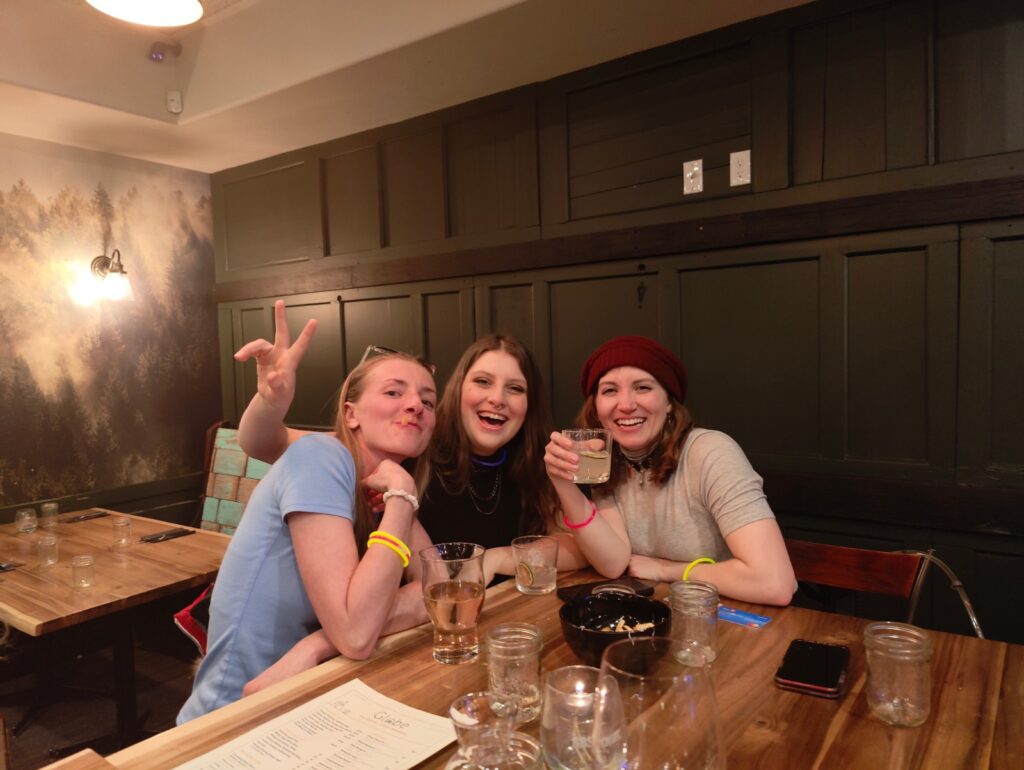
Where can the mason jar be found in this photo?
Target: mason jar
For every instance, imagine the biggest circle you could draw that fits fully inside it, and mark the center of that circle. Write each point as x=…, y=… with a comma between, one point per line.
x=899, y=663
x=695, y=616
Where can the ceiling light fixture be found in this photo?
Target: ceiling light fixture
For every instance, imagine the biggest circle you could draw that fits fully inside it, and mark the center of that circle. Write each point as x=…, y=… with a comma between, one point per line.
x=157, y=13
x=116, y=285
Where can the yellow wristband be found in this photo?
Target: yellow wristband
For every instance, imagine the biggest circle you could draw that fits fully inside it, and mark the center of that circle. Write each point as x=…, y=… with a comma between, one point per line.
x=395, y=541
x=392, y=546
x=694, y=563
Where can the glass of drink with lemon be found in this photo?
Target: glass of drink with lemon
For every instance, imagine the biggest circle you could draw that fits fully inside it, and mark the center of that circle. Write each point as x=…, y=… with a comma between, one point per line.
x=594, y=448
x=536, y=558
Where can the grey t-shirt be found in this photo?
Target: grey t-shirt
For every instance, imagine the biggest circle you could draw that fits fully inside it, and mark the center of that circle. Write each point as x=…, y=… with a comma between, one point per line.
x=713, y=492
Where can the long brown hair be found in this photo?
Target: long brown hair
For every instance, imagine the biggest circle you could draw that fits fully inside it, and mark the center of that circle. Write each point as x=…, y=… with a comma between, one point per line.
x=352, y=390
x=450, y=452
x=664, y=457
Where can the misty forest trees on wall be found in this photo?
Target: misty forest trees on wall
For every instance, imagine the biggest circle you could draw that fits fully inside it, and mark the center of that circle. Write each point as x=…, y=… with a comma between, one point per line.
x=114, y=393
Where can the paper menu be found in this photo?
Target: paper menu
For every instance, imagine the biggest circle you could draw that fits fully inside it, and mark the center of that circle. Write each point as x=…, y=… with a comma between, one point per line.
x=352, y=726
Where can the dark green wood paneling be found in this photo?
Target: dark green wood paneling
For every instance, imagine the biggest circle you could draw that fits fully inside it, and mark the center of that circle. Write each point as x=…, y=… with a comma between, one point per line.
x=448, y=327
x=770, y=109
x=352, y=201
x=887, y=355
x=649, y=183
x=628, y=137
x=860, y=93
x=413, y=173
x=270, y=216
x=1008, y=353
x=586, y=313
x=998, y=584
x=906, y=84
x=389, y=321
x=808, y=122
x=750, y=340
x=979, y=60
x=511, y=311
x=855, y=95
x=480, y=152
x=991, y=418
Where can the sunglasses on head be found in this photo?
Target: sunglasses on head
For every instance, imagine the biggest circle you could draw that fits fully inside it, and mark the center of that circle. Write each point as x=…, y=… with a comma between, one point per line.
x=372, y=351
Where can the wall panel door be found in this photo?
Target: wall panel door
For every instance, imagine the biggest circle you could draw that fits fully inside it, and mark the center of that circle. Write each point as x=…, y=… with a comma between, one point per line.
x=751, y=340
x=991, y=423
x=267, y=214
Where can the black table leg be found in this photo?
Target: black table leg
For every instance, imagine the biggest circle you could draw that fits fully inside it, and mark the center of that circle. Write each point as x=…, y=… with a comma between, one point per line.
x=127, y=731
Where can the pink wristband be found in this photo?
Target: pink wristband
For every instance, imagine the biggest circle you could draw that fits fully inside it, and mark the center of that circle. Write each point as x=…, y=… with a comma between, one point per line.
x=581, y=525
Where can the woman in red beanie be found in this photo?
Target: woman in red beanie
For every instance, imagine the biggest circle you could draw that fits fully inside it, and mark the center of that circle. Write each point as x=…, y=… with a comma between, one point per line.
x=681, y=500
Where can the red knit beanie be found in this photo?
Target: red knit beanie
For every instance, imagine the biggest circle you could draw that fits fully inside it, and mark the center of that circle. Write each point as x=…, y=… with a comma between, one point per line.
x=641, y=352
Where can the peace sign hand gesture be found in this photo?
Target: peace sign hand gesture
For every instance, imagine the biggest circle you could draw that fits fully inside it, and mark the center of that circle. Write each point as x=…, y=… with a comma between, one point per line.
x=276, y=364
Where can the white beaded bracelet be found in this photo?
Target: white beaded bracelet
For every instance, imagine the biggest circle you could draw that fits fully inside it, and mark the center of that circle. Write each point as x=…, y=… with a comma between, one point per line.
x=407, y=496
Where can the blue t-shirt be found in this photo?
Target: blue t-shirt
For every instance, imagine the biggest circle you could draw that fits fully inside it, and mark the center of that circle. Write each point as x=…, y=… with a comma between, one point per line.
x=260, y=608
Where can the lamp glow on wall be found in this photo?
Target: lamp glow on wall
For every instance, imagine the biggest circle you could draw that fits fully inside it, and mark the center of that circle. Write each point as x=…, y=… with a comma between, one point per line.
x=113, y=278
x=154, y=13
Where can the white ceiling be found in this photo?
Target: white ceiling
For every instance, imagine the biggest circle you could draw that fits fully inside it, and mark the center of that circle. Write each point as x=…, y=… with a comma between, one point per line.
x=261, y=77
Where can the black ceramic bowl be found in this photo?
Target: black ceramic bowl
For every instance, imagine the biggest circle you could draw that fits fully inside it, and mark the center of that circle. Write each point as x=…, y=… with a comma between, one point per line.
x=585, y=617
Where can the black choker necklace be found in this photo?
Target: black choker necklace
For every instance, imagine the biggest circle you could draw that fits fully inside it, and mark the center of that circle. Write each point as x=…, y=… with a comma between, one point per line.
x=640, y=466
x=494, y=461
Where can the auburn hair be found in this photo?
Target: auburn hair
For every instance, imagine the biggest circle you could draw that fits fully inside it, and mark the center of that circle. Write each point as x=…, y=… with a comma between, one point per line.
x=664, y=457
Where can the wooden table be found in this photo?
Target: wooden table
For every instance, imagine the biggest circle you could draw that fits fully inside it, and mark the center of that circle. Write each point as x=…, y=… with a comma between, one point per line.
x=977, y=705
x=40, y=601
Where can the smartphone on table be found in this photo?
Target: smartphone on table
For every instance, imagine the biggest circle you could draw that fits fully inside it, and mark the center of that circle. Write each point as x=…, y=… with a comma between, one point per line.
x=814, y=668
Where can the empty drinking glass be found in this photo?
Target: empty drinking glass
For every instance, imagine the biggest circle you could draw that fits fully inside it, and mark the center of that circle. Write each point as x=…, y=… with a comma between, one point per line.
x=83, y=571
x=695, y=615
x=25, y=521
x=122, y=527
x=899, y=686
x=513, y=666
x=484, y=725
x=49, y=511
x=654, y=710
x=47, y=548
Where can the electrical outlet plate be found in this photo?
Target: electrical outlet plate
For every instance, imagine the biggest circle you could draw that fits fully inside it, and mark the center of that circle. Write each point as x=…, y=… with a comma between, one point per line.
x=739, y=168
x=693, y=177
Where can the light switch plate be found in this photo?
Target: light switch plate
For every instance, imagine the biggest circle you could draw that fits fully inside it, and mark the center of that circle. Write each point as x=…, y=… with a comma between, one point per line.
x=693, y=177
x=174, y=102
x=739, y=168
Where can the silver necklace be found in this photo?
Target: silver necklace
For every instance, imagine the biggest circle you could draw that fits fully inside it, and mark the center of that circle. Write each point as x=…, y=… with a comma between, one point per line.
x=480, y=502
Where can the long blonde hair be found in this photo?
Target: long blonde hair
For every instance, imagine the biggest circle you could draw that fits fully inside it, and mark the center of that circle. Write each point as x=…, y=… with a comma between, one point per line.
x=352, y=391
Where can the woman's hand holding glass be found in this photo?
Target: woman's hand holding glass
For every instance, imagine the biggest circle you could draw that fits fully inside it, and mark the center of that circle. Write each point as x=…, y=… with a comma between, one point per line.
x=561, y=463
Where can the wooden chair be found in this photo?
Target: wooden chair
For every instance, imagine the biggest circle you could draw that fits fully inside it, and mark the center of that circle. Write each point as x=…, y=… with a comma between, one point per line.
x=858, y=569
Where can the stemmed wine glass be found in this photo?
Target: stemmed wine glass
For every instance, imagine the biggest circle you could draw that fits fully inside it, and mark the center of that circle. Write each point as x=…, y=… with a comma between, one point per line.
x=655, y=708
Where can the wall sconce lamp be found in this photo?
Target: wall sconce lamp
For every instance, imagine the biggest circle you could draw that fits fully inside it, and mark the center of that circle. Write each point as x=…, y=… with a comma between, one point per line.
x=114, y=278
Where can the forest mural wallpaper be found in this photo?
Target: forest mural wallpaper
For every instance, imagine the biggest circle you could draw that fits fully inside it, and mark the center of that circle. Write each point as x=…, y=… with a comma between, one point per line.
x=97, y=394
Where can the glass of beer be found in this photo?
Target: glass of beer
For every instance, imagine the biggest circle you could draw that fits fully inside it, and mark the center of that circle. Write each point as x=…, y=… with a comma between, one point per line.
x=594, y=448
x=453, y=590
